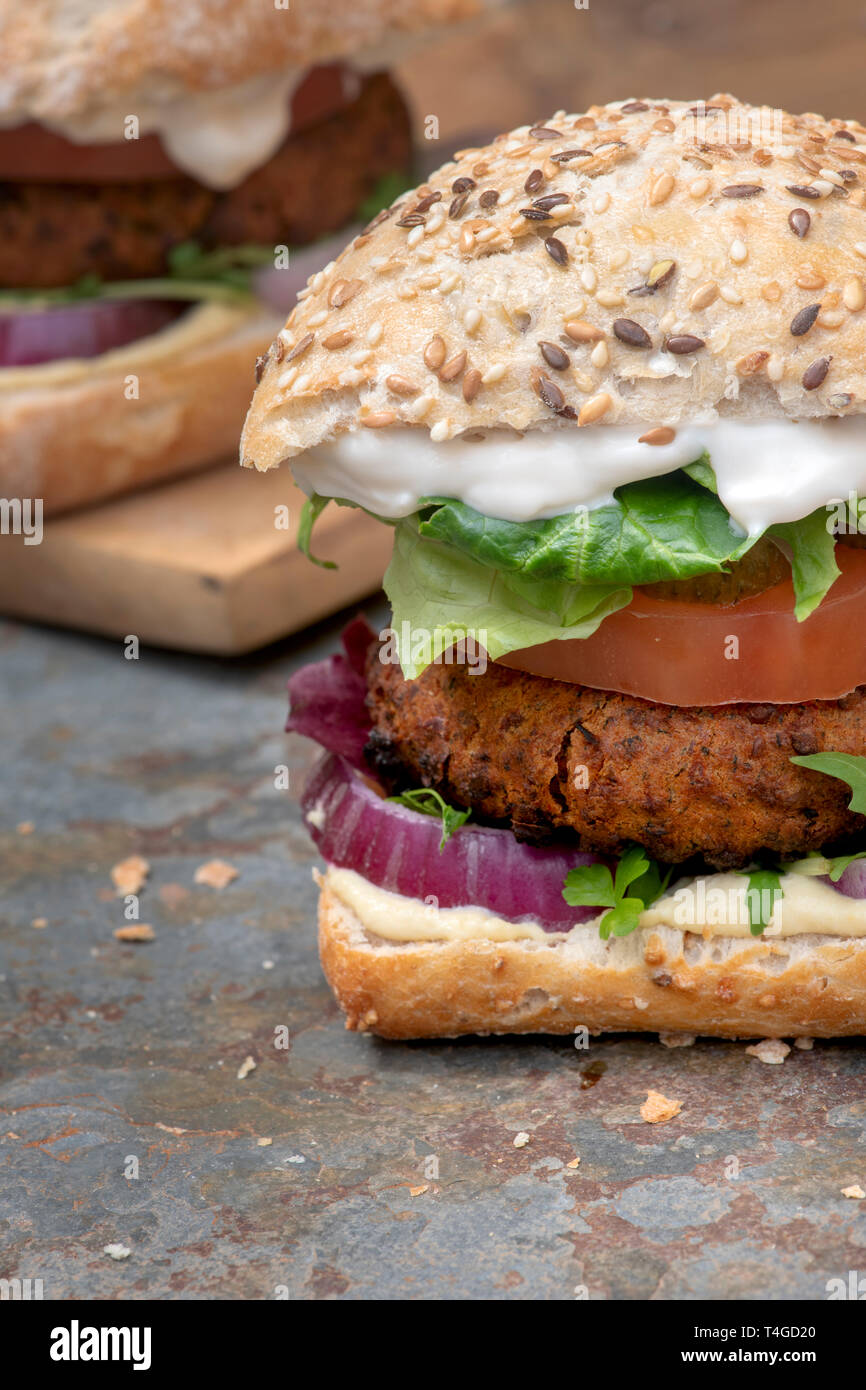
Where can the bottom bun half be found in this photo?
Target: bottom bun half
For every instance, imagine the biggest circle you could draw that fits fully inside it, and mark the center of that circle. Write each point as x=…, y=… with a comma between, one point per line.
x=659, y=979
x=78, y=431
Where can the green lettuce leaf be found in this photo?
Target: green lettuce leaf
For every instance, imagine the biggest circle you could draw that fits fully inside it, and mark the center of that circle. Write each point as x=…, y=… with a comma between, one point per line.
x=439, y=594
x=813, y=560
x=662, y=528
x=847, y=767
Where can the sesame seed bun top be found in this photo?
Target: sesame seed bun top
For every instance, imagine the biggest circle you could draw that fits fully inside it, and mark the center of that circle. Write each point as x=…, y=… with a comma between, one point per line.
x=63, y=62
x=638, y=264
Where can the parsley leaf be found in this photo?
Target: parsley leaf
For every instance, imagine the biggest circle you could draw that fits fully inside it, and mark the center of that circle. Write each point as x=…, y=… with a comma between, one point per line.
x=638, y=881
x=430, y=803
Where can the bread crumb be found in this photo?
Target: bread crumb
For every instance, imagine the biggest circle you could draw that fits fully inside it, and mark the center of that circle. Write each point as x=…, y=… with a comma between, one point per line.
x=39, y=922
x=129, y=875
x=658, y=1108
x=677, y=1039
x=770, y=1050
x=116, y=1251
x=418, y=1191
x=216, y=873
x=573, y=1163
x=521, y=1140
x=246, y=1066
x=804, y=1044
x=264, y=1143
x=855, y=1191
x=139, y=931
x=25, y=827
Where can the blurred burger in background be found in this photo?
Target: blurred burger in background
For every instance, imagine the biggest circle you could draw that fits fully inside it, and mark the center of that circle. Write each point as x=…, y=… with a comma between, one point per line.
x=159, y=166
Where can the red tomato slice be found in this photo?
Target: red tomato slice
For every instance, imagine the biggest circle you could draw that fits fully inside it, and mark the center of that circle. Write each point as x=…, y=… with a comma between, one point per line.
x=31, y=154
x=682, y=653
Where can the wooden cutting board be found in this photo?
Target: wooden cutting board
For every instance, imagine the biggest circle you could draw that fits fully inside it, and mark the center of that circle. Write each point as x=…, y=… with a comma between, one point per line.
x=198, y=564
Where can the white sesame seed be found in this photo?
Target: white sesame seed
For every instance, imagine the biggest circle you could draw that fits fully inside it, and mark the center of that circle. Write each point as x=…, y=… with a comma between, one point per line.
x=584, y=381
x=288, y=340
x=854, y=294
x=425, y=254
x=589, y=279
x=471, y=320
x=450, y=282
x=435, y=225
x=350, y=377
x=486, y=234
x=823, y=186
x=831, y=318
x=304, y=293
x=303, y=383
x=618, y=259
x=610, y=299
x=358, y=359
x=730, y=295
x=376, y=262
x=416, y=235
x=439, y=431
x=832, y=177
x=600, y=355
x=775, y=367
x=667, y=321
x=561, y=211
x=494, y=373
x=698, y=187
x=374, y=334
x=738, y=251
x=316, y=320
x=419, y=408
x=285, y=381
x=601, y=203
x=318, y=281
x=406, y=292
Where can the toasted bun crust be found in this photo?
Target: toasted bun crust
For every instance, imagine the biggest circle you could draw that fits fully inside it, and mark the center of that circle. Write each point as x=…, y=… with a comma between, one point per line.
x=436, y=314
x=62, y=61
x=74, y=432
x=657, y=979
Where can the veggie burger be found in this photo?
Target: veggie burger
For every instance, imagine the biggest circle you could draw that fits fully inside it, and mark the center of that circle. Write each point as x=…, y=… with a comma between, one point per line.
x=606, y=379
x=160, y=165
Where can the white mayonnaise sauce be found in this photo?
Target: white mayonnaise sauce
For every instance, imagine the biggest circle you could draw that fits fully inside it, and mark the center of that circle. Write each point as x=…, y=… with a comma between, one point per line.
x=767, y=471
x=713, y=906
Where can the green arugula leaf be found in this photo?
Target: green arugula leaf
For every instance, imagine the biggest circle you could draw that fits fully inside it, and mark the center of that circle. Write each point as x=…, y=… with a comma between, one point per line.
x=627, y=893
x=847, y=767
x=224, y=276
x=438, y=594
x=761, y=883
x=813, y=560
x=430, y=803
x=310, y=513
x=840, y=863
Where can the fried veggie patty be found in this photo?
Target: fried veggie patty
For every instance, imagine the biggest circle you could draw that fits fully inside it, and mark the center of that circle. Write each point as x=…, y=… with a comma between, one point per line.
x=546, y=757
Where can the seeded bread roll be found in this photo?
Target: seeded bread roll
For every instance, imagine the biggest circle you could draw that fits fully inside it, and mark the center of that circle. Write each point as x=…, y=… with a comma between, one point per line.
x=65, y=61
x=659, y=979
x=74, y=433
x=638, y=264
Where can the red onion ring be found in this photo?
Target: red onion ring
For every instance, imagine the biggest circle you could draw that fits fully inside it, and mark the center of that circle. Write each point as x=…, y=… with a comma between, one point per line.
x=396, y=848
x=853, y=881
x=80, y=330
